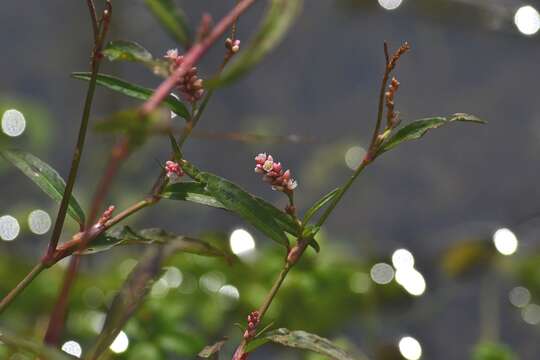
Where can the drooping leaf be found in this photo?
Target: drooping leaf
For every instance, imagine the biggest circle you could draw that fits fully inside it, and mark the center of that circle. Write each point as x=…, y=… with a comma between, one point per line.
x=212, y=350
x=197, y=193
x=126, y=236
x=122, y=50
x=279, y=18
x=45, y=177
x=133, y=91
x=306, y=341
x=172, y=18
x=322, y=202
x=23, y=344
x=140, y=280
x=418, y=128
x=191, y=191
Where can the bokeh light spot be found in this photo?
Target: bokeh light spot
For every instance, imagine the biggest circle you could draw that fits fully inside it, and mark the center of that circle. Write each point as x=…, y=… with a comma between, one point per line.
x=402, y=258
x=411, y=280
x=527, y=20
x=505, y=241
x=13, y=123
x=39, y=222
x=241, y=242
x=531, y=314
x=173, y=277
x=519, y=296
x=354, y=157
x=120, y=344
x=9, y=228
x=230, y=292
x=410, y=348
x=382, y=273
x=72, y=348
x=390, y=4
x=359, y=283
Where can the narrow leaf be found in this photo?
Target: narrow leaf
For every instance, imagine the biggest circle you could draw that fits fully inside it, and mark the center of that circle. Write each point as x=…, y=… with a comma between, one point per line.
x=45, y=177
x=418, y=128
x=121, y=50
x=322, y=202
x=133, y=91
x=245, y=205
x=172, y=18
x=175, y=147
x=279, y=18
x=140, y=280
x=126, y=236
x=196, y=192
x=212, y=350
x=44, y=352
x=307, y=341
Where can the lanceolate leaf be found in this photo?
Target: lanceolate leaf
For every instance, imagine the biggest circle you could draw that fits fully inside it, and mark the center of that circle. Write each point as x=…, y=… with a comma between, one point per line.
x=306, y=341
x=45, y=177
x=196, y=192
x=133, y=91
x=23, y=344
x=212, y=351
x=418, y=128
x=140, y=280
x=121, y=50
x=127, y=236
x=172, y=18
x=279, y=18
x=322, y=202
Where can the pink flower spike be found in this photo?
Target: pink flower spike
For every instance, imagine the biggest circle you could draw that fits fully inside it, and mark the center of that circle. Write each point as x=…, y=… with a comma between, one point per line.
x=106, y=216
x=174, y=170
x=172, y=54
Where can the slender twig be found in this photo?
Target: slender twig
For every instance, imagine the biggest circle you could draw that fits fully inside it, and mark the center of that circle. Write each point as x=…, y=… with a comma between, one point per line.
x=380, y=108
x=93, y=17
x=194, y=54
x=21, y=286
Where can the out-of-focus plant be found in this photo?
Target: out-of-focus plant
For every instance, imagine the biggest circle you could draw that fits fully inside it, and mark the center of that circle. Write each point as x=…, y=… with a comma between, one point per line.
x=184, y=93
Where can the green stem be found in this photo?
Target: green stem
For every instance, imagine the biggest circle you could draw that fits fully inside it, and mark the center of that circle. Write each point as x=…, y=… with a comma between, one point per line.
x=21, y=286
x=342, y=192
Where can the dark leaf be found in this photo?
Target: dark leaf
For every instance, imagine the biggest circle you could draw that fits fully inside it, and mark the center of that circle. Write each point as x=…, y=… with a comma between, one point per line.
x=22, y=343
x=191, y=191
x=322, y=202
x=212, y=350
x=133, y=91
x=140, y=280
x=121, y=50
x=306, y=341
x=172, y=18
x=45, y=177
x=418, y=128
x=279, y=18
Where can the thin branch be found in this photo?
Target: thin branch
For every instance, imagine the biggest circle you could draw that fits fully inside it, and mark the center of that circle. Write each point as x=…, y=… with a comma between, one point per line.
x=21, y=286
x=194, y=54
x=93, y=17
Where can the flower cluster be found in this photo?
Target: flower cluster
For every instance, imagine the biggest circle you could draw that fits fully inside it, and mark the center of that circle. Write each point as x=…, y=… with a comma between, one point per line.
x=232, y=45
x=190, y=85
x=391, y=114
x=174, y=171
x=253, y=321
x=274, y=174
x=106, y=216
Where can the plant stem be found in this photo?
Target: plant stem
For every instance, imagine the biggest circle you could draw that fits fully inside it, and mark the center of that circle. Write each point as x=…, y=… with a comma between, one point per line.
x=194, y=54
x=39, y=267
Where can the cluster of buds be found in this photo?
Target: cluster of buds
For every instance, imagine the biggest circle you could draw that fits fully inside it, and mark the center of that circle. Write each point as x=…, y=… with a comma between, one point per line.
x=392, y=61
x=173, y=169
x=253, y=321
x=391, y=114
x=190, y=85
x=106, y=216
x=273, y=173
x=232, y=45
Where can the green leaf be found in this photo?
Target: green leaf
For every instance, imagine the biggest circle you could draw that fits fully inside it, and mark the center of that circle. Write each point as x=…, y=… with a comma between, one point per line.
x=133, y=91
x=191, y=191
x=245, y=205
x=256, y=211
x=127, y=236
x=279, y=18
x=121, y=50
x=212, y=350
x=140, y=281
x=44, y=352
x=45, y=177
x=172, y=18
x=322, y=202
x=306, y=341
x=418, y=128
x=175, y=148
